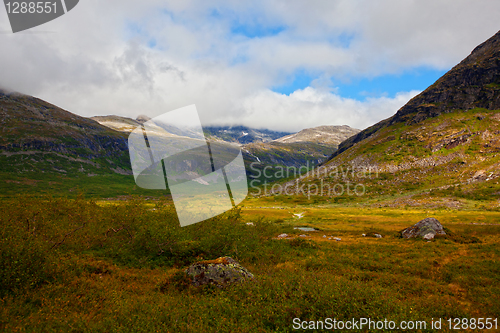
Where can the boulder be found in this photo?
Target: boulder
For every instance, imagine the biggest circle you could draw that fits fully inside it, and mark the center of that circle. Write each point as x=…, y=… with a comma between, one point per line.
x=219, y=272
x=427, y=229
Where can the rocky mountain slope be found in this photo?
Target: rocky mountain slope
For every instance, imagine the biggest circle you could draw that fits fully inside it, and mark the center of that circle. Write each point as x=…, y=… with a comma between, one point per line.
x=40, y=137
x=473, y=83
x=444, y=141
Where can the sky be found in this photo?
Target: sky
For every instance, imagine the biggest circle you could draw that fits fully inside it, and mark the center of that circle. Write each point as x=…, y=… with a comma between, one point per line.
x=283, y=65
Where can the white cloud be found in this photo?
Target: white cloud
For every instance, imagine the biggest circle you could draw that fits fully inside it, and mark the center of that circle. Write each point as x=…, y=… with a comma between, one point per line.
x=310, y=107
x=97, y=59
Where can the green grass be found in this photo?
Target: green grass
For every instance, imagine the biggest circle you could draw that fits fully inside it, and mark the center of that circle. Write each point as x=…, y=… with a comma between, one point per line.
x=109, y=185
x=97, y=266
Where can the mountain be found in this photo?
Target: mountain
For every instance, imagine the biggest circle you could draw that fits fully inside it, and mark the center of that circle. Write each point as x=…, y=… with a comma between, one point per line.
x=261, y=148
x=310, y=146
x=40, y=137
x=241, y=134
x=326, y=135
x=445, y=141
x=236, y=134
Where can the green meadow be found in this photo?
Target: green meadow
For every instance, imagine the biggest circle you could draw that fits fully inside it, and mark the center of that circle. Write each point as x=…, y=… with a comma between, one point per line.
x=85, y=264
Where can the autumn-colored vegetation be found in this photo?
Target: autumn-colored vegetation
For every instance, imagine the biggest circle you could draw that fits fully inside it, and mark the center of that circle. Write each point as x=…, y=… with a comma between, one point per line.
x=81, y=265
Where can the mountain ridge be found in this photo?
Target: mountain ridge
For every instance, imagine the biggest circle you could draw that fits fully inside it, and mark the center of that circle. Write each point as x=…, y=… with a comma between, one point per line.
x=263, y=148
x=473, y=83
x=325, y=134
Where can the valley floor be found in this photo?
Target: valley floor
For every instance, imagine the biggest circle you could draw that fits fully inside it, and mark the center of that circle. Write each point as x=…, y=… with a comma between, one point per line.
x=81, y=265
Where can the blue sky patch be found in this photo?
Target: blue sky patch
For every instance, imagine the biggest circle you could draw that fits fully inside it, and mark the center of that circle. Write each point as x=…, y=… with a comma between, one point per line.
x=249, y=27
x=255, y=30
x=391, y=84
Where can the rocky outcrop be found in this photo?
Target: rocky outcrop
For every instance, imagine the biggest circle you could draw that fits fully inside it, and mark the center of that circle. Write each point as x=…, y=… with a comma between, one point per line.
x=427, y=229
x=219, y=272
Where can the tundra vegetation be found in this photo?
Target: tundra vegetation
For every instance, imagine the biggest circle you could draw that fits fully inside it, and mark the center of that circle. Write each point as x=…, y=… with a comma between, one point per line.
x=85, y=264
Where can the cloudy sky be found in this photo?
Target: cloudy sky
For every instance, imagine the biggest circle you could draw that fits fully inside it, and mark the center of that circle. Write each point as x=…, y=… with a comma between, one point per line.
x=283, y=65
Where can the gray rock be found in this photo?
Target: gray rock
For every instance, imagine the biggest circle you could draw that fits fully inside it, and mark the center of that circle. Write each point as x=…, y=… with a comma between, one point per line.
x=219, y=272
x=427, y=228
x=372, y=234
x=428, y=236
